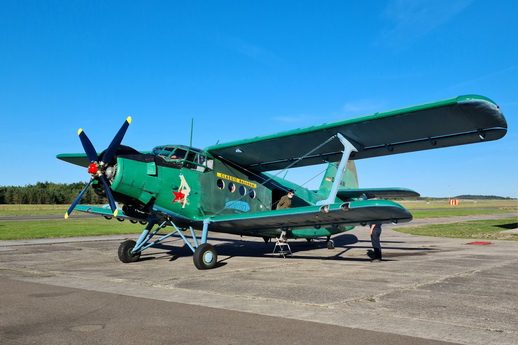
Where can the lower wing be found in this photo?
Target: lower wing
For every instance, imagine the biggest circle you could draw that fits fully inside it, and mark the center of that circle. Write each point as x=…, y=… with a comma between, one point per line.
x=335, y=216
x=271, y=223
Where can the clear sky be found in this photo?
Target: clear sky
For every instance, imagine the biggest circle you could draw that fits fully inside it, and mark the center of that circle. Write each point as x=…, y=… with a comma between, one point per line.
x=248, y=68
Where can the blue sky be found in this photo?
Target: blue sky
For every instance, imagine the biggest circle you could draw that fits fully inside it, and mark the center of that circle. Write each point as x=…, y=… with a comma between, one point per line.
x=243, y=69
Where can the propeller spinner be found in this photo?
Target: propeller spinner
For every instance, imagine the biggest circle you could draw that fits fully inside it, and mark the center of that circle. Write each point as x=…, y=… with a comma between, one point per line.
x=97, y=167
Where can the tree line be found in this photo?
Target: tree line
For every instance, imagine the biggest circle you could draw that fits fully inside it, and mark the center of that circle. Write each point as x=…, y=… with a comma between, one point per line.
x=48, y=193
x=65, y=193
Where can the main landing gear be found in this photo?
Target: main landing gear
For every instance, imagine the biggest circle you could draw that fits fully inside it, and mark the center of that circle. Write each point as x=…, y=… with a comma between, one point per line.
x=125, y=252
x=204, y=254
x=330, y=243
x=205, y=257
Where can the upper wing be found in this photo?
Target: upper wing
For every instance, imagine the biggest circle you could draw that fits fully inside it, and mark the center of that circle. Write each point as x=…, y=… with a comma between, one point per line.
x=455, y=121
x=350, y=213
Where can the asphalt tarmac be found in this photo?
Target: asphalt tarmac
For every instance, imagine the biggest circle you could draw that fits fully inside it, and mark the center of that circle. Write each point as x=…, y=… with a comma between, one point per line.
x=427, y=291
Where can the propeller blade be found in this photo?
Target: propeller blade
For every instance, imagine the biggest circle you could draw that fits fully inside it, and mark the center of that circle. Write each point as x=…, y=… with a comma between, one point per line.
x=109, y=195
x=88, y=146
x=76, y=201
x=110, y=151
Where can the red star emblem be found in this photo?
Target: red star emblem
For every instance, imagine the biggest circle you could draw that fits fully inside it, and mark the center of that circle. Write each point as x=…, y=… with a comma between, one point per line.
x=178, y=196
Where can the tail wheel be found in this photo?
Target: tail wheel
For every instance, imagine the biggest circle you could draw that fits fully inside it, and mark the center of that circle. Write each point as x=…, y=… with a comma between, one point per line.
x=205, y=257
x=125, y=254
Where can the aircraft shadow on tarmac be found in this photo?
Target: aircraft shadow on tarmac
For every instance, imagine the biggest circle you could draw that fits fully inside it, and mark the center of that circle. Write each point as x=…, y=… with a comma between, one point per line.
x=510, y=226
x=301, y=249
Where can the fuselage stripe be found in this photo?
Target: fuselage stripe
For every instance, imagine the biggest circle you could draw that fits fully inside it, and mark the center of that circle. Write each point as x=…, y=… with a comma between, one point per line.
x=237, y=180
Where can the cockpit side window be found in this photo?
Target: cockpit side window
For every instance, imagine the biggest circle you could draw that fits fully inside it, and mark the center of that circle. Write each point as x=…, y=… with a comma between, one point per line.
x=177, y=155
x=200, y=159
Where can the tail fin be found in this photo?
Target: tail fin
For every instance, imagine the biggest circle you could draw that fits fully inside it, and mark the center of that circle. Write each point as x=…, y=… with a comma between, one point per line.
x=349, y=178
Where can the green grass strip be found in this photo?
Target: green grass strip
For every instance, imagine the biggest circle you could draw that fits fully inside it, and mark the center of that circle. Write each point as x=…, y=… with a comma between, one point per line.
x=15, y=230
x=479, y=229
x=456, y=212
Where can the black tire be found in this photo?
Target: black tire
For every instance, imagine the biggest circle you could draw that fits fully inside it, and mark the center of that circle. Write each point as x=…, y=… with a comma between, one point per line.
x=205, y=257
x=125, y=252
x=267, y=239
x=330, y=244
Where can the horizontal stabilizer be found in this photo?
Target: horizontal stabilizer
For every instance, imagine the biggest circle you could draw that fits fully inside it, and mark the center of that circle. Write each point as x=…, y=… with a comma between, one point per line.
x=382, y=193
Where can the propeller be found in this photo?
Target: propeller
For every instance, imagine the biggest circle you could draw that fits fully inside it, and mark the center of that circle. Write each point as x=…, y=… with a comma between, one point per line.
x=98, y=166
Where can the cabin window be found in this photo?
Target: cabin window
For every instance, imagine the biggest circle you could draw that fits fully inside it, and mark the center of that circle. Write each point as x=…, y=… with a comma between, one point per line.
x=242, y=190
x=220, y=183
x=231, y=187
x=252, y=194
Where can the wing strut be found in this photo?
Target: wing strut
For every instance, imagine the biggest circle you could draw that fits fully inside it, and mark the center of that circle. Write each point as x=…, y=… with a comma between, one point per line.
x=348, y=149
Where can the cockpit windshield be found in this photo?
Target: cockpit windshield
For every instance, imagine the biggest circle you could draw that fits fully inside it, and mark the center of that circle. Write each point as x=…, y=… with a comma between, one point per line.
x=183, y=157
x=163, y=151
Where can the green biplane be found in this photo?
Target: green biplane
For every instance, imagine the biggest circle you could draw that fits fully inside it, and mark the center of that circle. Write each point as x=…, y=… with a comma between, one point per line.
x=228, y=188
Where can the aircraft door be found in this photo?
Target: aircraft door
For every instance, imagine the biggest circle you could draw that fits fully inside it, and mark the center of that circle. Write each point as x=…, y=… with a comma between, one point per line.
x=277, y=194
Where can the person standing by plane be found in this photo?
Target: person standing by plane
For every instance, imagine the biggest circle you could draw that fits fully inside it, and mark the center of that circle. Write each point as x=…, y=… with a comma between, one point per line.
x=375, y=232
x=285, y=201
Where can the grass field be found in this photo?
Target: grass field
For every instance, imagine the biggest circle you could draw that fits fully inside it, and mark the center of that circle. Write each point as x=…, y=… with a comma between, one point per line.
x=32, y=210
x=441, y=208
x=443, y=204
x=15, y=230
x=480, y=229
x=100, y=226
x=419, y=209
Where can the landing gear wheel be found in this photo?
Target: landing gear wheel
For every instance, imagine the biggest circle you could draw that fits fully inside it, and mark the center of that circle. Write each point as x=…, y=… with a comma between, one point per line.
x=330, y=244
x=125, y=252
x=267, y=239
x=205, y=257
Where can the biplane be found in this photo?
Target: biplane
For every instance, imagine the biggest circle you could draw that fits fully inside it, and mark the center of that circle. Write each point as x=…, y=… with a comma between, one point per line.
x=230, y=187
